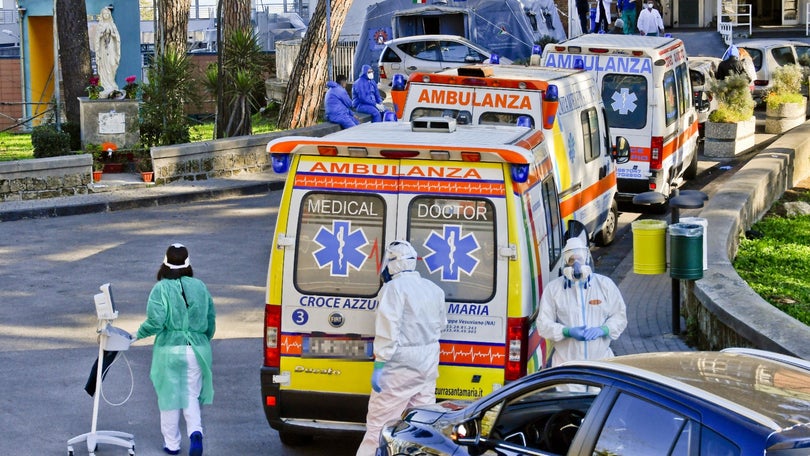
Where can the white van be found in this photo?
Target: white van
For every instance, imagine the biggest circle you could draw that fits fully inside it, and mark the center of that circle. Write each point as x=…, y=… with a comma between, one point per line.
x=480, y=206
x=645, y=87
x=577, y=135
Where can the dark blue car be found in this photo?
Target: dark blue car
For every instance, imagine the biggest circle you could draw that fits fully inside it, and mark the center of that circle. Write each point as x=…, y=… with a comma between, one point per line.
x=737, y=402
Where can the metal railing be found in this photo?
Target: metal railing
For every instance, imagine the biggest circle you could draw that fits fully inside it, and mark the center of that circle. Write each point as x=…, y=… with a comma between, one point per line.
x=731, y=14
x=342, y=58
x=807, y=20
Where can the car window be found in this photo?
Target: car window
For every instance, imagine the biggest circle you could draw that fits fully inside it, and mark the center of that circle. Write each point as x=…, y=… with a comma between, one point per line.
x=756, y=56
x=590, y=133
x=460, y=53
x=783, y=55
x=390, y=56
x=625, y=100
x=670, y=98
x=424, y=50
x=636, y=427
x=697, y=77
x=683, y=83
x=544, y=419
x=803, y=54
x=716, y=445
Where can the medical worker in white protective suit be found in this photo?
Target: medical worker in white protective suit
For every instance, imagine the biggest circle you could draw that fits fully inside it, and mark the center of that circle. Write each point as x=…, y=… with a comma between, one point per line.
x=581, y=311
x=410, y=318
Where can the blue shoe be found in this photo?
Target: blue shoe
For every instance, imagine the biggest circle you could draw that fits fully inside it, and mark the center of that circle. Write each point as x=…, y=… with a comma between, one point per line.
x=168, y=451
x=196, y=444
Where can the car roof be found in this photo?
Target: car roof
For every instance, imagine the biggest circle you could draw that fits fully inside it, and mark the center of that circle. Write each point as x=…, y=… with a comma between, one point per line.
x=405, y=39
x=768, y=43
x=770, y=389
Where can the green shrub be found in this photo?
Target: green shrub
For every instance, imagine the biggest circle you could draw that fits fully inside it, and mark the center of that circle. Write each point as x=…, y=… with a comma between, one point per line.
x=734, y=100
x=787, y=79
x=48, y=142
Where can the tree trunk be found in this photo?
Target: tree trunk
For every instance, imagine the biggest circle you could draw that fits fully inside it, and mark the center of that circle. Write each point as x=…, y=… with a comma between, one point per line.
x=307, y=84
x=172, y=31
x=74, y=54
x=235, y=16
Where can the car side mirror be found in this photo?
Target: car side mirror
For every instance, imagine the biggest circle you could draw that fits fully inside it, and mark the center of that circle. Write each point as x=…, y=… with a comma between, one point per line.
x=466, y=433
x=621, y=151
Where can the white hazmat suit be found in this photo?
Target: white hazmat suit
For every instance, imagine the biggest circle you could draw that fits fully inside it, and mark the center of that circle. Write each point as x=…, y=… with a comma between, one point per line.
x=581, y=314
x=410, y=320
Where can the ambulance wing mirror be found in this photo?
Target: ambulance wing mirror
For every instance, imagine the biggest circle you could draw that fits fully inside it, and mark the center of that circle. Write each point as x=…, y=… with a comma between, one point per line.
x=621, y=151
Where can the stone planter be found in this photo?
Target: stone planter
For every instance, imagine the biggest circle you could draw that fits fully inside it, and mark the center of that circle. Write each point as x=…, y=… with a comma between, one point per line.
x=725, y=140
x=106, y=120
x=785, y=116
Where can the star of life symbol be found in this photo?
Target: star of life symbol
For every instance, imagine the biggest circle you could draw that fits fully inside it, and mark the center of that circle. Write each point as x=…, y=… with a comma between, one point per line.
x=624, y=101
x=452, y=253
x=340, y=247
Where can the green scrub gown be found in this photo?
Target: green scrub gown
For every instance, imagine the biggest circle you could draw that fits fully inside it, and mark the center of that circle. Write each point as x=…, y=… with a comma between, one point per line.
x=176, y=326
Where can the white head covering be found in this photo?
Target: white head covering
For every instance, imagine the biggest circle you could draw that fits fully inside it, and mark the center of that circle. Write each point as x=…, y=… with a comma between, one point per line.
x=399, y=256
x=178, y=252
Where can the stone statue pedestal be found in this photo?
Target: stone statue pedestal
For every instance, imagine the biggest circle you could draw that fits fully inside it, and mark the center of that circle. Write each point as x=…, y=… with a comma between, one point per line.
x=109, y=120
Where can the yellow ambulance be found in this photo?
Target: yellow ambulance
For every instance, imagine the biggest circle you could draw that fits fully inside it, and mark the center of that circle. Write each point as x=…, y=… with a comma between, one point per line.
x=479, y=204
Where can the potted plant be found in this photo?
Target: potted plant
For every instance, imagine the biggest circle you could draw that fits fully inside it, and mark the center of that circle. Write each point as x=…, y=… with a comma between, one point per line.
x=144, y=166
x=785, y=107
x=98, y=160
x=730, y=128
x=94, y=89
x=131, y=88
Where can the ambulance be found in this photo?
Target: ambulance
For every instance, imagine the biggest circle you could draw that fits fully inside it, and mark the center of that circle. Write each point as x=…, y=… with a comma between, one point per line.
x=644, y=85
x=578, y=135
x=479, y=204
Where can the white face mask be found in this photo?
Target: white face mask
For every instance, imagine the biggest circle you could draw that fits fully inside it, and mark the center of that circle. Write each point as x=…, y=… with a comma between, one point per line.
x=649, y=6
x=370, y=75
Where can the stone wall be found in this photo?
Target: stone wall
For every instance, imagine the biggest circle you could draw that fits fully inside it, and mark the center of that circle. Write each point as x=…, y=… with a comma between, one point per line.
x=721, y=309
x=45, y=177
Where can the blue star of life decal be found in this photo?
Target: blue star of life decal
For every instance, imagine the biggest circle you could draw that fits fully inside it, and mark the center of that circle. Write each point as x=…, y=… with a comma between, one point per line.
x=624, y=101
x=452, y=253
x=340, y=247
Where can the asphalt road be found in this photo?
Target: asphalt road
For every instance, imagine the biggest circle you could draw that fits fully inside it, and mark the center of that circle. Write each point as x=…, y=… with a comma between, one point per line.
x=49, y=271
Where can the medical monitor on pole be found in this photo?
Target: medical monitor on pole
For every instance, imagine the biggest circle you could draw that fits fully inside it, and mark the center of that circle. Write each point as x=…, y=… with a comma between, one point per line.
x=105, y=306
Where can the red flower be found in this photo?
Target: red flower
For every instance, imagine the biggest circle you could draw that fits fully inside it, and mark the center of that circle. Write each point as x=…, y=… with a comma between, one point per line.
x=130, y=79
x=94, y=80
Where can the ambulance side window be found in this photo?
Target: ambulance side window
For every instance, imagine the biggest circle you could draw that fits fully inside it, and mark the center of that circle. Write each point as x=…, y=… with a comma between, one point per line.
x=338, y=249
x=683, y=82
x=670, y=97
x=590, y=133
x=551, y=202
x=625, y=100
x=456, y=238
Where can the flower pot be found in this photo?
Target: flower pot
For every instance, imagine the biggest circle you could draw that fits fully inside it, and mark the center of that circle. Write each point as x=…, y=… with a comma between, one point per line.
x=785, y=116
x=97, y=175
x=147, y=175
x=724, y=140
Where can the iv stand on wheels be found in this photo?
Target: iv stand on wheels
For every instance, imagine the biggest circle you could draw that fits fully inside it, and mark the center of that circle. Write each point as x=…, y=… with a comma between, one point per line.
x=110, y=339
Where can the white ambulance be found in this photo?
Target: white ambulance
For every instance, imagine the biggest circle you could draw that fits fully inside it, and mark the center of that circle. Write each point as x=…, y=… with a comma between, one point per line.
x=479, y=204
x=578, y=135
x=645, y=87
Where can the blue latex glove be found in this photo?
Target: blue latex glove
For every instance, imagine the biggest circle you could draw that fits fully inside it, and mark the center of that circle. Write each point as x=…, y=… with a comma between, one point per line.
x=577, y=332
x=375, y=376
x=594, y=332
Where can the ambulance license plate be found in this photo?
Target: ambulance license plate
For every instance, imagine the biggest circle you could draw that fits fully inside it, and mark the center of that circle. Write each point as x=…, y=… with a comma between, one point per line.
x=335, y=347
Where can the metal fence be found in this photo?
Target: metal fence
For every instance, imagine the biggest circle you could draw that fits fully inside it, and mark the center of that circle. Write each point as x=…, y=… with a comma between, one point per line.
x=342, y=58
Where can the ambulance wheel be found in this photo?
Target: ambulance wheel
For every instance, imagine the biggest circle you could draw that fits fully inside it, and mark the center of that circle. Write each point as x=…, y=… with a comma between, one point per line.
x=608, y=232
x=294, y=439
x=692, y=169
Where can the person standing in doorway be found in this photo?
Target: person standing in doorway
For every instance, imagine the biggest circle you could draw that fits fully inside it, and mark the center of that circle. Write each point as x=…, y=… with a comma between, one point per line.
x=409, y=322
x=108, y=51
x=180, y=314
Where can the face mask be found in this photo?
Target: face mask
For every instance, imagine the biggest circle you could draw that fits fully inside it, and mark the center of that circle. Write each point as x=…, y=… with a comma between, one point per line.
x=370, y=75
x=649, y=6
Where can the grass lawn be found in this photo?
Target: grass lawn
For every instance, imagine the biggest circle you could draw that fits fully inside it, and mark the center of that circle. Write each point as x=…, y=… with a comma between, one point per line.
x=775, y=260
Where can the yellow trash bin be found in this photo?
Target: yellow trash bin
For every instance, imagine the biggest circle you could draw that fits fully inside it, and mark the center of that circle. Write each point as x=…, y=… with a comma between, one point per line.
x=649, y=246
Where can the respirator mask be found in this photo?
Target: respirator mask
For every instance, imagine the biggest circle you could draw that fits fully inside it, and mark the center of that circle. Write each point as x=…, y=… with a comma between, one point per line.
x=576, y=257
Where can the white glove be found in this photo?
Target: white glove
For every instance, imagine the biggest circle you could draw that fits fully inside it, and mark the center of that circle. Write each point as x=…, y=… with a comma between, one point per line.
x=380, y=107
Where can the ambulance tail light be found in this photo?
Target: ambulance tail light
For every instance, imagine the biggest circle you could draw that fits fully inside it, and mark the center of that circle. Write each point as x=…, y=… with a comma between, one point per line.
x=474, y=82
x=656, y=152
x=328, y=151
x=517, y=344
x=598, y=50
x=471, y=157
x=637, y=53
x=551, y=102
x=399, y=153
x=272, y=335
x=280, y=162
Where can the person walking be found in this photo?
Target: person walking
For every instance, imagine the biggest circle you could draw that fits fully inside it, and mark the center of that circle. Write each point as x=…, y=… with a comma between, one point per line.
x=650, y=22
x=410, y=319
x=365, y=95
x=731, y=65
x=602, y=15
x=629, y=16
x=581, y=311
x=337, y=104
x=180, y=314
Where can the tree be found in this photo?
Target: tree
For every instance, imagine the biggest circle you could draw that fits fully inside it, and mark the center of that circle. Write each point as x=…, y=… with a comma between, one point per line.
x=234, y=20
x=74, y=53
x=307, y=83
x=172, y=27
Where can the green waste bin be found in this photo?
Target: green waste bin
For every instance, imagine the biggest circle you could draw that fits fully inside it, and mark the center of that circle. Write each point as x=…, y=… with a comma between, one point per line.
x=649, y=246
x=686, y=251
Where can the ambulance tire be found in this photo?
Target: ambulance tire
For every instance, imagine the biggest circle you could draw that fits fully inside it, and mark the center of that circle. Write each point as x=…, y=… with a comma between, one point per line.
x=692, y=169
x=608, y=232
x=293, y=438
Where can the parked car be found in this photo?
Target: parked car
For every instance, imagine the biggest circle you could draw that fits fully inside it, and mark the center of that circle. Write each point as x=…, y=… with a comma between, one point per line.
x=738, y=402
x=428, y=53
x=769, y=55
x=701, y=74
